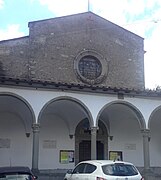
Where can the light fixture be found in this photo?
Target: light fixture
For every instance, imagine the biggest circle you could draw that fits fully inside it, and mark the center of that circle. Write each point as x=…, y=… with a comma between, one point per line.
x=71, y=136
x=111, y=138
x=27, y=135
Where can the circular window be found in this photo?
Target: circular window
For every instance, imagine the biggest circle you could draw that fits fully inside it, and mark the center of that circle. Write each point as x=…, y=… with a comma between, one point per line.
x=90, y=67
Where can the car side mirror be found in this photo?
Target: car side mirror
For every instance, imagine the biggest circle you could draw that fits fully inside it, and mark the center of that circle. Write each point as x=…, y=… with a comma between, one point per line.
x=70, y=171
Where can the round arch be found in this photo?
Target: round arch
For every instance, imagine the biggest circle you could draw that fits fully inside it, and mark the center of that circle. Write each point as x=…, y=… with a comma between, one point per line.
x=139, y=115
x=24, y=103
x=58, y=119
x=152, y=115
x=154, y=125
x=17, y=117
x=68, y=98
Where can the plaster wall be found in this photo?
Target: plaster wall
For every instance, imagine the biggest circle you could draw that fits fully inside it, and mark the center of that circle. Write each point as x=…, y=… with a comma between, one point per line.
x=155, y=146
x=19, y=149
x=126, y=138
x=54, y=130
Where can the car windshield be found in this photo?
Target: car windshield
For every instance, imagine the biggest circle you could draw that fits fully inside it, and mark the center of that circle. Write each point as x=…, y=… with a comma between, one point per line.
x=15, y=177
x=119, y=169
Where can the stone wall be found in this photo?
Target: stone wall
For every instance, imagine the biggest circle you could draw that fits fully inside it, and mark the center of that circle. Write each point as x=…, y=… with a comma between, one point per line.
x=52, y=48
x=55, y=44
x=14, y=56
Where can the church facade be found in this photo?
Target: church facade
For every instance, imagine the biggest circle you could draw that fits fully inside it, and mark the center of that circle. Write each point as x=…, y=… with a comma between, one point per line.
x=74, y=90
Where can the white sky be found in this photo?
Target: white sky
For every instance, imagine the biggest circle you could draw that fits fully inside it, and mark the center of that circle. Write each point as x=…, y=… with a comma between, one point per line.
x=142, y=17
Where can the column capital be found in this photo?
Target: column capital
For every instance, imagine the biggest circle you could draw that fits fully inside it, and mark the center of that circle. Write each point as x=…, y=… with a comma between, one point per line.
x=36, y=127
x=145, y=132
x=94, y=129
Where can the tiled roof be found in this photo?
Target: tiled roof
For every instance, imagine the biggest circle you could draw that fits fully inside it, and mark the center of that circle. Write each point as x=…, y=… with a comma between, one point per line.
x=38, y=84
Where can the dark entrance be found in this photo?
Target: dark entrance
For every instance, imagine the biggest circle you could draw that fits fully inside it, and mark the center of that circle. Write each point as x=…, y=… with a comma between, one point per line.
x=83, y=141
x=85, y=150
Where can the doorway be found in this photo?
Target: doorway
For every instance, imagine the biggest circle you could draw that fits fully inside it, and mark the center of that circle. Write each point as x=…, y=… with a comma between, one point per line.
x=83, y=141
x=85, y=150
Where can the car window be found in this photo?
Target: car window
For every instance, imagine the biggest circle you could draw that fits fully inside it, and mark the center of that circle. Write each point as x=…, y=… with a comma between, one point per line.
x=15, y=177
x=79, y=169
x=119, y=169
x=89, y=168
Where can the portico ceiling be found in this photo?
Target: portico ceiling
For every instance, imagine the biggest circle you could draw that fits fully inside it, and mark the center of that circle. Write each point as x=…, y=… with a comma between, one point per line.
x=13, y=104
x=68, y=110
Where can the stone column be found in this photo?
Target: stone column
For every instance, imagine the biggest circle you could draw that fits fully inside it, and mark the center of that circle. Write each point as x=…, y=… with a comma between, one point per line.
x=94, y=143
x=35, y=148
x=147, y=173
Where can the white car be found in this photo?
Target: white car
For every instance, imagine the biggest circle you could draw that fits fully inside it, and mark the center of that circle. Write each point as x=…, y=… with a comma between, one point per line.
x=103, y=170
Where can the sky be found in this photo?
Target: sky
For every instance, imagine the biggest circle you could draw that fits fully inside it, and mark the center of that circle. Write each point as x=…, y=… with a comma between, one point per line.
x=142, y=17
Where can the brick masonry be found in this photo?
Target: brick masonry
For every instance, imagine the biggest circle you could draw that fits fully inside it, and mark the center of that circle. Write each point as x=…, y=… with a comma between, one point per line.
x=50, y=50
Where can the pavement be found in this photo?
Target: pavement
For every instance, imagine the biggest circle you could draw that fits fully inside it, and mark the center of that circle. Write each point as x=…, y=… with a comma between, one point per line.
x=59, y=175
x=42, y=177
x=61, y=178
x=51, y=175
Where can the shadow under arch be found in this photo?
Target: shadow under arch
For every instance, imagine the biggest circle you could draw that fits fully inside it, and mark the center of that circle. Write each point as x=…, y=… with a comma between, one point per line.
x=83, y=141
x=139, y=115
x=68, y=98
x=152, y=115
x=26, y=108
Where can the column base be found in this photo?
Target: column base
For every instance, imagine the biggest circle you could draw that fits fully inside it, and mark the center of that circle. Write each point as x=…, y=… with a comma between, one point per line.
x=148, y=174
x=36, y=172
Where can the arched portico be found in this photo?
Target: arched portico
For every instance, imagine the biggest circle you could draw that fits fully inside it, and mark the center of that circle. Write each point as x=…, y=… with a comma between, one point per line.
x=154, y=125
x=16, y=119
x=58, y=120
x=129, y=107
x=127, y=125
x=83, y=141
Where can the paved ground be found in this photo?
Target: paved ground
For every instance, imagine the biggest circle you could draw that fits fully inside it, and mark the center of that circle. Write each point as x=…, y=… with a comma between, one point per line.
x=51, y=174
x=61, y=177
x=50, y=178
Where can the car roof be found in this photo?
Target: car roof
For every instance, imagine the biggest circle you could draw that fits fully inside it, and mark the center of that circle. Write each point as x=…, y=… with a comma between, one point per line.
x=15, y=169
x=104, y=162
